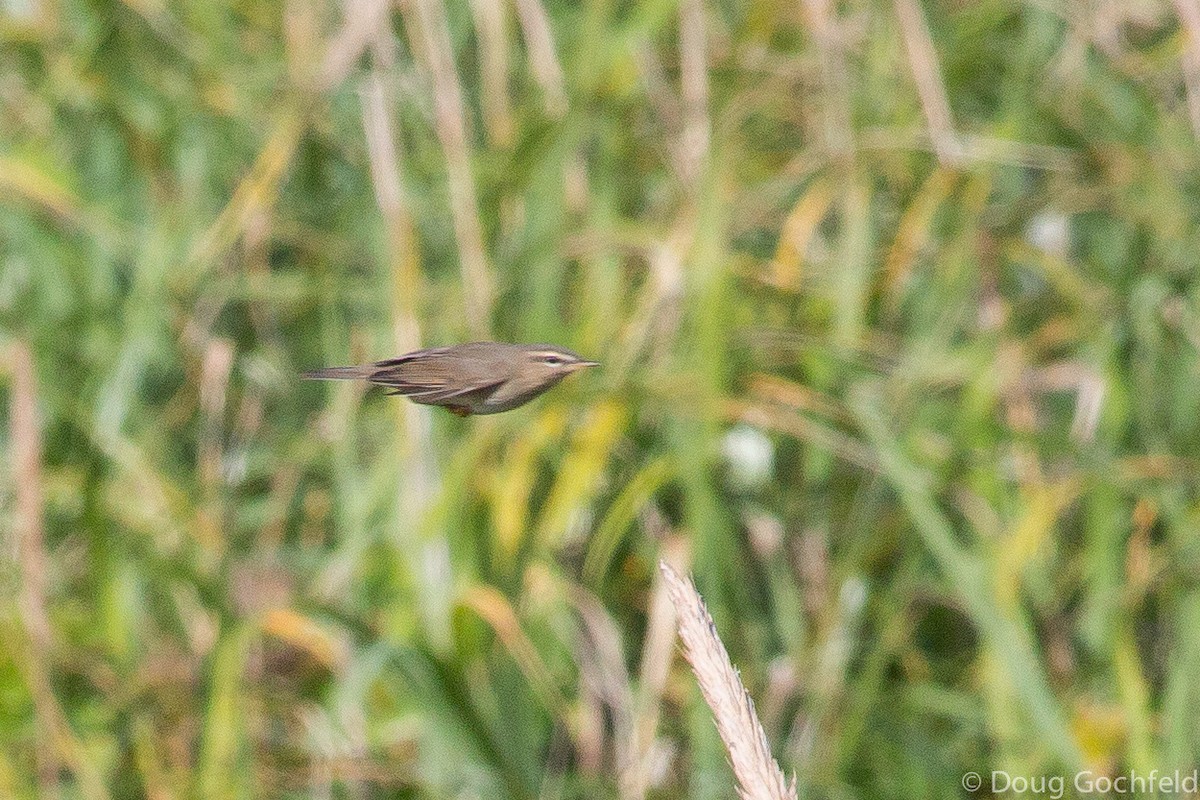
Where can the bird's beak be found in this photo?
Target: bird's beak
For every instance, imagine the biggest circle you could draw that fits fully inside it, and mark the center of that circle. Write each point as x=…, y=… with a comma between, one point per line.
x=582, y=364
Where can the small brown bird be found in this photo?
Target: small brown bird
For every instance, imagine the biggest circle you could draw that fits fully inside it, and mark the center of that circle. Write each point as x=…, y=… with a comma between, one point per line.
x=473, y=378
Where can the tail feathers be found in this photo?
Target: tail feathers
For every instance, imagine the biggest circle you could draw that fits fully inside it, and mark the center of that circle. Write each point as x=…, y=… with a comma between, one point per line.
x=339, y=373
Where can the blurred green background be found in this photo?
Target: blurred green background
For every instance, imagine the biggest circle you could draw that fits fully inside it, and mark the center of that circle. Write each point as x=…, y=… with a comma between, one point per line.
x=899, y=316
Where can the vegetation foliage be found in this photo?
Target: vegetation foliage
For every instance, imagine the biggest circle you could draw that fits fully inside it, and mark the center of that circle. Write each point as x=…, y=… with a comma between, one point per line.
x=898, y=310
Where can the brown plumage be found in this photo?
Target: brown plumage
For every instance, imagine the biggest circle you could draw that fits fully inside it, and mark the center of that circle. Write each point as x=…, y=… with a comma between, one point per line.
x=473, y=378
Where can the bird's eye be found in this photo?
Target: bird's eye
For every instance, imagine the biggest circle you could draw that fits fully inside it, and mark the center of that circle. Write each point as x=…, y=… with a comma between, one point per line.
x=553, y=360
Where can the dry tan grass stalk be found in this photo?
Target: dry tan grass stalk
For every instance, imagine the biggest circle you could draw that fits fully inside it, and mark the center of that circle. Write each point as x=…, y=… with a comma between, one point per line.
x=214, y=385
x=535, y=26
x=657, y=314
x=695, y=137
x=58, y=746
x=430, y=38
x=491, y=29
x=684, y=116
x=601, y=658
x=835, y=105
x=635, y=780
x=658, y=88
x=758, y=776
x=363, y=22
x=589, y=722
x=383, y=152
x=928, y=75
x=413, y=422
x=1189, y=18
x=29, y=545
x=382, y=156
x=27, y=473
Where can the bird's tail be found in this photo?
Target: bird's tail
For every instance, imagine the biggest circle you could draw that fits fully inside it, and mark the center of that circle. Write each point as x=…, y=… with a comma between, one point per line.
x=338, y=373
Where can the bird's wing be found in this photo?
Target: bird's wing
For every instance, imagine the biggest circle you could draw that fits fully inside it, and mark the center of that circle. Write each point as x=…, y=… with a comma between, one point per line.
x=430, y=376
x=429, y=356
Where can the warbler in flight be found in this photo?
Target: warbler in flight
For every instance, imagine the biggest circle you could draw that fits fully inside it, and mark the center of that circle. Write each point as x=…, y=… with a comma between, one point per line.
x=473, y=378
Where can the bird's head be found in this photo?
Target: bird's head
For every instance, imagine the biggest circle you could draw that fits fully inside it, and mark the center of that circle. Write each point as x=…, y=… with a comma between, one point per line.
x=547, y=364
